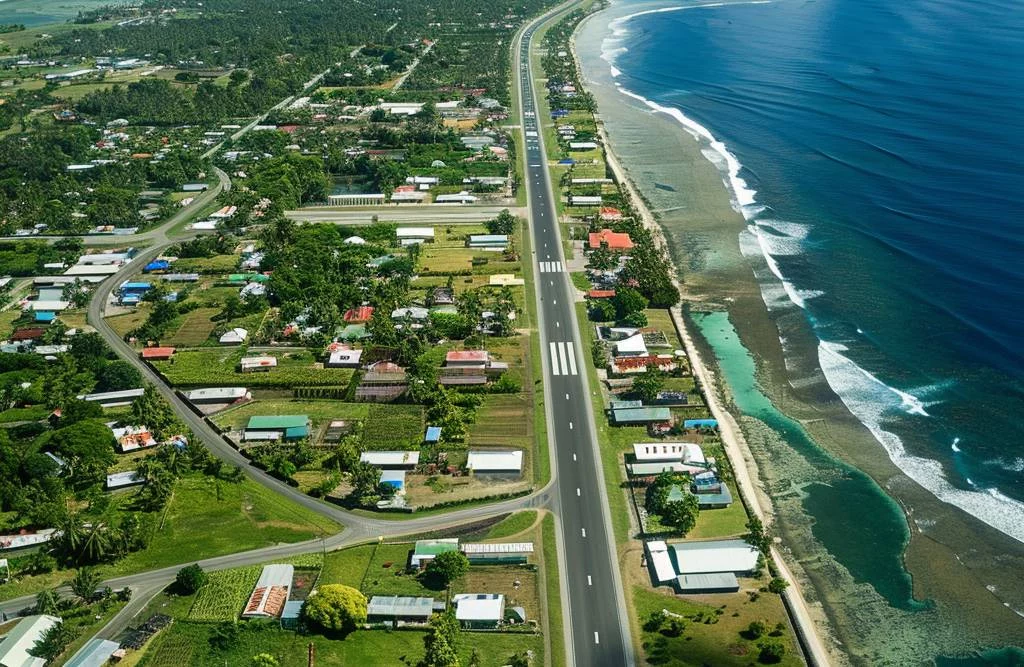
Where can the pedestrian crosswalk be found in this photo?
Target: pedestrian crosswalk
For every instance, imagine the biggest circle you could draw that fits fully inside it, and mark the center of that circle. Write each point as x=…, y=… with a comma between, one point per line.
x=550, y=267
x=563, y=359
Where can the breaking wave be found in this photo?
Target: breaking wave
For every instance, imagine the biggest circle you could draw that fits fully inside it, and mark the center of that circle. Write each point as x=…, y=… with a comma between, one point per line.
x=869, y=399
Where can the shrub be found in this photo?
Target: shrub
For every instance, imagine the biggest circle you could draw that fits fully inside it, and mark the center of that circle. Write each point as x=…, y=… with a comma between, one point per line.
x=777, y=585
x=336, y=607
x=771, y=652
x=756, y=629
x=190, y=579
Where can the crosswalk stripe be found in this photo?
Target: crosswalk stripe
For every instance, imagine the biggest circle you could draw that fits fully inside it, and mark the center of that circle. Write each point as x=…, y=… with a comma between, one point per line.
x=550, y=267
x=561, y=358
x=553, y=359
x=572, y=359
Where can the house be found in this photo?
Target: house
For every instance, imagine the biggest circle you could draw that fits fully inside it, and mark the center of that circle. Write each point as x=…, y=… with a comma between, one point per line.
x=394, y=479
x=391, y=460
x=487, y=241
x=252, y=289
x=30, y=333
x=422, y=180
x=396, y=609
x=51, y=306
x=383, y=381
x=584, y=200
x=442, y=296
x=353, y=332
x=425, y=550
x=600, y=294
x=14, y=649
x=252, y=364
x=342, y=356
x=634, y=346
x=360, y=315
x=157, y=265
x=271, y=592
x=479, y=610
x=659, y=562
x=181, y=277
x=408, y=197
x=701, y=557
x=633, y=415
x=277, y=427
x=235, y=336
x=497, y=553
x=416, y=314
x=639, y=364
x=123, y=480
x=495, y=462
x=686, y=452
x=27, y=540
x=414, y=234
x=217, y=395
x=132, y=438
x=157, y=353
x=112, y=399
x=462, y=197
x=468, y=367
x=582, y=145
x=45, y=316
x=96, y=653
x=194, y=187
x=609, y=239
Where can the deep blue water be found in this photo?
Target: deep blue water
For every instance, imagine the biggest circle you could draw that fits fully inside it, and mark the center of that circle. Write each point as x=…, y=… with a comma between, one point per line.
x=886, y=141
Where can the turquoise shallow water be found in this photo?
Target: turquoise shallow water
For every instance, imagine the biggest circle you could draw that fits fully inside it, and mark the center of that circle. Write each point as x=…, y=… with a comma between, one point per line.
x=853, y=518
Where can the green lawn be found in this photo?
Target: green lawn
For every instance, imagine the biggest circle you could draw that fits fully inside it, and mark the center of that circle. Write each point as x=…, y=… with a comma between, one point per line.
x=206, y=519
x=727, y=522
x=513, y=524
x=553, y=591
x=347, y=566
x=187, y=643
x=711, y=638
x=218, y=366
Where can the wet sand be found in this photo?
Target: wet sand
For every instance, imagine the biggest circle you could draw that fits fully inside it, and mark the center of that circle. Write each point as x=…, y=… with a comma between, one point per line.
x=969, y=571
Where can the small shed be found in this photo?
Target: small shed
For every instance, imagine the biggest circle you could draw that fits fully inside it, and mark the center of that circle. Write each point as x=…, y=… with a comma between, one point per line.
x=425, y=550
x=479, y=610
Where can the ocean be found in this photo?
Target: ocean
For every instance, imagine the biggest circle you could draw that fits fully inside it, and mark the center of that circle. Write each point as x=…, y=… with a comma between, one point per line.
x=876, y=148
x=875, y=151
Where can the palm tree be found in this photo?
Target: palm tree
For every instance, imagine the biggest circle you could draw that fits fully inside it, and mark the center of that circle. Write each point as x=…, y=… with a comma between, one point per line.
x=46, y=601
x=85, y=583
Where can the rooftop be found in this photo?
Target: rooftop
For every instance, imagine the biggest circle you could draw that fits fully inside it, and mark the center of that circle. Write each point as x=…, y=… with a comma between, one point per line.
x=276, y=422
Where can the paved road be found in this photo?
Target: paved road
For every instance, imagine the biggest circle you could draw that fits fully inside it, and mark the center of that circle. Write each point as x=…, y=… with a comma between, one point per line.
x=600, y=626
x=427, y=213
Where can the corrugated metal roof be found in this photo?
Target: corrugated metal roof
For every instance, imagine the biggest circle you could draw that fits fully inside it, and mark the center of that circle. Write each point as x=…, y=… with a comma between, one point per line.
x=272, y=422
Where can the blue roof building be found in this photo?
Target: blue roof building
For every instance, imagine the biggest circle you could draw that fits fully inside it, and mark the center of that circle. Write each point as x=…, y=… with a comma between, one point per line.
x=45, y=316
x=136, y=287
x=157, y=265
x=700, y=423
x=433, y=434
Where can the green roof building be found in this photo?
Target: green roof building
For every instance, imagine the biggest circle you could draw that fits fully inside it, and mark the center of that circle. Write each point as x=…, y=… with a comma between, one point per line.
x=425, y=550
x=277, y=427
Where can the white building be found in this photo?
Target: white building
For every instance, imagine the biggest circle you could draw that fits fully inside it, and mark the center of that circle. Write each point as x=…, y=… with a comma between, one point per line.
x=263, y=363
x=112, y=399
x=421, y=233
x=634, y=346
x=696, y=557
x=391, y=459
x=495, y=461
x=479, y=609
x=686, y=452
x=235, y=336
x=14, y=649
x=459, y=198
x=365, y=199
x=343, y=358
x=218, y=395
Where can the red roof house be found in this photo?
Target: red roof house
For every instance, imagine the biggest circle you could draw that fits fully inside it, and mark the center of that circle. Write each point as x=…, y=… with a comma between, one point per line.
x=609, y=213
x=601, y=293
x=359, y=315
x=28, y=334
x=613, y=240
x=157, y=353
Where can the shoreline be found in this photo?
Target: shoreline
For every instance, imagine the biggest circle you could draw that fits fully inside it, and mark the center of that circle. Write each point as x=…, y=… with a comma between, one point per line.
x=809, y=624
x=963, y=593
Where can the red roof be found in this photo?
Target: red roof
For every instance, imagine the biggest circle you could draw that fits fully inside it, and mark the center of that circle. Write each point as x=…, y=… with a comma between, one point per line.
x=405, y=188
x=610, y=213
x=623, y=363
x=467, y=355
x=28, y=334
x=157, y=352
x=614, y=240
x=601, y=293
x=358, y=315
x=288, y=128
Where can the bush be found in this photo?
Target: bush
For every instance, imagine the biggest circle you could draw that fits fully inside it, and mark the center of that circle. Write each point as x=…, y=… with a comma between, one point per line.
x=336, y=607
x=654, y=621
x=190, y=579
x=756, y=630
x=777, y=585
x=771, y=652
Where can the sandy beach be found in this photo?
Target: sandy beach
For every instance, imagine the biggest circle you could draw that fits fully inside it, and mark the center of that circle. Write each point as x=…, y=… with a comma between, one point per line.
x=962, y=571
